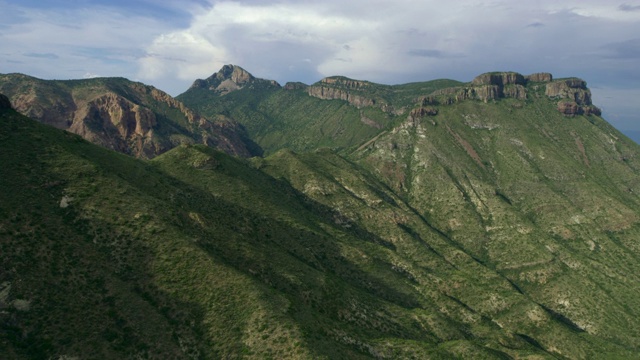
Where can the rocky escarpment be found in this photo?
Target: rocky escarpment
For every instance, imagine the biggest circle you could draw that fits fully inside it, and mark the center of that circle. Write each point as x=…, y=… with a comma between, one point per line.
x=341, y=88
x=124, y=116
x=4, y=102
x=295, y=86
x=231, y=78
x=485, y=87
x=574, y=96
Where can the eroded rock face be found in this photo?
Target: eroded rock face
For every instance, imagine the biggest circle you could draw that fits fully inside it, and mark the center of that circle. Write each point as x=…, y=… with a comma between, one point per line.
x=539, y=77
x=331, y=93
x=500, y=79
x=125, y=116
x=340, y=88
x=423, y=111
x=575, y=97
x=295, y=86
x=571, y=108
x=574, y=89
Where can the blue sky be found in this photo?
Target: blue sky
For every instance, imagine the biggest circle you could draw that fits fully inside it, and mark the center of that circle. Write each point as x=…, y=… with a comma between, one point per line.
x=170, y=43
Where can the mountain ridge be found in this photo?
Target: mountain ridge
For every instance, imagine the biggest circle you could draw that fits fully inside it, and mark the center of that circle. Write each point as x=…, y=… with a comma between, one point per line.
x=483, y=220
x=126, y=116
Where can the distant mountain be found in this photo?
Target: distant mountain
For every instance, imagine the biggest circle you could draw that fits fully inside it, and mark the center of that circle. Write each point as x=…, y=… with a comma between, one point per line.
x=122, y=115
x=492, y=219
x=298, y=116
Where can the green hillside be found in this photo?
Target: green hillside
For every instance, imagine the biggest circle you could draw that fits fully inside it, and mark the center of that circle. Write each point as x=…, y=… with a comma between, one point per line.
x=289, y=117
x=496, y=219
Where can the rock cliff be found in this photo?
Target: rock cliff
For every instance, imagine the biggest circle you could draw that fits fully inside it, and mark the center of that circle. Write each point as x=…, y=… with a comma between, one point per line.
x=124, y=116
x=574, y=96
x=342, y=88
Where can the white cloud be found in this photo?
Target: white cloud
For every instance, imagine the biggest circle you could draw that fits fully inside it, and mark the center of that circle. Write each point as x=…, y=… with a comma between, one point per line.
x=379, y=40
x=386, y=40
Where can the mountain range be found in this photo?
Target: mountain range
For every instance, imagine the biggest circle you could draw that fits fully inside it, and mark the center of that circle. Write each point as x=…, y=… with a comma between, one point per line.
x=497, y=218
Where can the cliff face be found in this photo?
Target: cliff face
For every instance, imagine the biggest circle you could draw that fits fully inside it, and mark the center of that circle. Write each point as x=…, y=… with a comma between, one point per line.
x=575, y=97
x=341, y=88
x=121, y=115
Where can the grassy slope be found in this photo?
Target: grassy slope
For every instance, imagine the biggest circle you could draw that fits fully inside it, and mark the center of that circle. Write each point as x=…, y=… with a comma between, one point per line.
x=547, y=201
x=215, y=259
x=278, y=118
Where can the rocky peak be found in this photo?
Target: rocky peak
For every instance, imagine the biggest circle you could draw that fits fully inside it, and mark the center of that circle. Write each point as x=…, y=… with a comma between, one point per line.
x=234, y=73
x=230, y=78
x=4, y=102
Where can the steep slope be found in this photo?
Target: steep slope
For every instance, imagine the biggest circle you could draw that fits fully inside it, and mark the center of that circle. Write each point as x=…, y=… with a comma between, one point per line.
x=199, y=254
x=125, y=116
x=336, y=112
x=546, y=197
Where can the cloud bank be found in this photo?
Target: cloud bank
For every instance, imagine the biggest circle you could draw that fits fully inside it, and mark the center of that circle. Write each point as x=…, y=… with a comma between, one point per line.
x=170, y=43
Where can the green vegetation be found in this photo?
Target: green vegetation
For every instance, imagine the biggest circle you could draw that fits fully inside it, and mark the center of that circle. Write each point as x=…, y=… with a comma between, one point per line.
x=499, y=229
x=278, y=118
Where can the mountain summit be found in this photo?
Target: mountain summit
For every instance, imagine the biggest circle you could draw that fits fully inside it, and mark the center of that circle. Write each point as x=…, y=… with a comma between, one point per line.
x=231, y=78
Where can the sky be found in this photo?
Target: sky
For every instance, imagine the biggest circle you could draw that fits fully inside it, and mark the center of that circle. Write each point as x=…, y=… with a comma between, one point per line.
x=170, y=43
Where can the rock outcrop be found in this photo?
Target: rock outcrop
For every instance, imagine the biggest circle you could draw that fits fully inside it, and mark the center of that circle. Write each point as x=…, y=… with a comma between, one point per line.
x=500, y=79
x=124, y=116
x=332, y=93
x=341, y=88
x=574, y=96
x=539, y=77
x=295, y=86
x=4, y=102
x=231, y=78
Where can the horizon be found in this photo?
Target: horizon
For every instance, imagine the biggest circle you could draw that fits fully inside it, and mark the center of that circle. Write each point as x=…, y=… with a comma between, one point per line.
x=169, y=44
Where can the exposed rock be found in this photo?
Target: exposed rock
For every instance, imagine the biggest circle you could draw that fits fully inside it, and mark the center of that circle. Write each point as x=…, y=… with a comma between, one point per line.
x=573, y=89
x=574, y=96
x=515, y=91
x=485, y=87
x=126, y=116
x=452, y=95
x=4, y=102
x=346, y=82
x=231, y=78
x=500, y=79
x=332, y=93
x=539, y=77
x=571, y=108
x=568, y=107
x=423, y=111
x=295, y=86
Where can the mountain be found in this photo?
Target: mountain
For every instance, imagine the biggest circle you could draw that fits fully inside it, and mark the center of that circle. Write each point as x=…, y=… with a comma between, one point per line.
x=122, y=115
x=299, y=117
x=492, y=219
